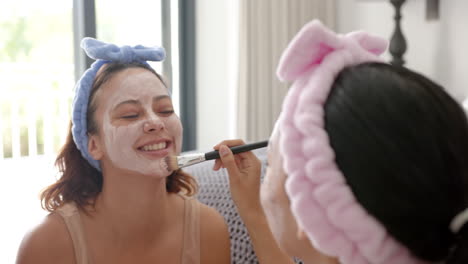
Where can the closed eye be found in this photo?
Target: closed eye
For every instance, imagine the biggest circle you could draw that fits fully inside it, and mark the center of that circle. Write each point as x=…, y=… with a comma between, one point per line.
x=167, y=113
x=132, y=116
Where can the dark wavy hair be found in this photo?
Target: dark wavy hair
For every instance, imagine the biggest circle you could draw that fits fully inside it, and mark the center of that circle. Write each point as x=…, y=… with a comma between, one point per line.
x=402, y=144
x=79, y=181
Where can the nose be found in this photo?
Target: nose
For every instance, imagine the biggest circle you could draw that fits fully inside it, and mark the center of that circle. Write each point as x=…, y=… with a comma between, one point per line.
x=153, y=125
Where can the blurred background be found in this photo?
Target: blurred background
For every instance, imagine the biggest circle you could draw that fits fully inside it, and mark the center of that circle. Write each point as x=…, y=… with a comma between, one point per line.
x=221, y=65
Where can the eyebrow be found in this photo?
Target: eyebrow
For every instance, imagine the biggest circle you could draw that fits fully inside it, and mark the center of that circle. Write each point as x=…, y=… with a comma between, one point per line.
x=160, y=97
x=136, y=102
x=131, y=101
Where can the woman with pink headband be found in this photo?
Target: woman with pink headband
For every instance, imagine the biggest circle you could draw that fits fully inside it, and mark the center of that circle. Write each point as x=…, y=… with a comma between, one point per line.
x=368, y=163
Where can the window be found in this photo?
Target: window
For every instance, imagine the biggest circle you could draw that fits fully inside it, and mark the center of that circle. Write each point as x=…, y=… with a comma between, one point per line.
x=36, y=77
x=117, y=23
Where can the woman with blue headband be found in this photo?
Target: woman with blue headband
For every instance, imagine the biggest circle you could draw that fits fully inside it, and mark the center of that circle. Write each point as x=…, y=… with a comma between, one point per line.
x=115, y=201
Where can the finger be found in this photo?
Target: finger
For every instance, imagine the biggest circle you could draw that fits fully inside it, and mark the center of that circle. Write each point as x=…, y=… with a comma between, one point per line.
x=229, y=143
x=233, y=142
x=246, y=158
x=247, y=155
x=238, y=162
x=217, y=165
x=229, y=162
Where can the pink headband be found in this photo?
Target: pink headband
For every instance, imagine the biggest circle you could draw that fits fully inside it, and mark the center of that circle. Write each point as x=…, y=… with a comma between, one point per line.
x=321, y=201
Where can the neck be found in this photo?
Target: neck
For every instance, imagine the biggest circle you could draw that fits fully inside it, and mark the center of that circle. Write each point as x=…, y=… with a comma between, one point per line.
x=134, y=208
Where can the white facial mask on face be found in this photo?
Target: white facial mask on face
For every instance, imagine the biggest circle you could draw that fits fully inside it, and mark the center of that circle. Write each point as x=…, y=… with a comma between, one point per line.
x=120, y=141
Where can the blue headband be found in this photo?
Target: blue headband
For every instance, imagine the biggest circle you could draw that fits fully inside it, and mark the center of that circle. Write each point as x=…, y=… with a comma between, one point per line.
x=103, y=53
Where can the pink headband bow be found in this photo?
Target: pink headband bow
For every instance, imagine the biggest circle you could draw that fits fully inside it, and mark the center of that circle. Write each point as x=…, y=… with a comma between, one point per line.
x=321, y=201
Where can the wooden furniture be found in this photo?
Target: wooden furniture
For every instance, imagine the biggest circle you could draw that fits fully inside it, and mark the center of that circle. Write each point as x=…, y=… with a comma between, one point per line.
x=398, y=41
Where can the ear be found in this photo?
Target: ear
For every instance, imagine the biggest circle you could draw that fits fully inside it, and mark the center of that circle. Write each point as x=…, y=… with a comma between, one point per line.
x=95, y=147
x=373, y=44
x=307, y=49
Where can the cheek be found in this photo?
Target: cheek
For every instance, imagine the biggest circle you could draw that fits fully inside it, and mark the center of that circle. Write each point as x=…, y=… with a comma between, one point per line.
x=174, y=126
x=117, y=136
x=265, y=192
x=276, y=210
x=269, y=192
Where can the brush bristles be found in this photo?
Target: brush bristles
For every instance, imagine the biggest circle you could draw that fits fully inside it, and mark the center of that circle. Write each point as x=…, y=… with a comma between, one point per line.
x=171, y=162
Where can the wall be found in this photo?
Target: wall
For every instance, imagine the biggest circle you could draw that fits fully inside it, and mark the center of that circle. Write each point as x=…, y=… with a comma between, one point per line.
x=435, y=48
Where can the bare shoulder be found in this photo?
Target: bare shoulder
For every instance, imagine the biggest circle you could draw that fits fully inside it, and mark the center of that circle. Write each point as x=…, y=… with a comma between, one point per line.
x=215, y=245
x=49, y=242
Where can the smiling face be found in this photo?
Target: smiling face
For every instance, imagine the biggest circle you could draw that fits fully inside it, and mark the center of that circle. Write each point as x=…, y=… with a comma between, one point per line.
x=137, y=123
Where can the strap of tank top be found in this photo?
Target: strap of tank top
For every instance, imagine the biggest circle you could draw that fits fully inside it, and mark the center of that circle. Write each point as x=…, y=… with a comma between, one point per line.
x=191, y=243
x=72, y=219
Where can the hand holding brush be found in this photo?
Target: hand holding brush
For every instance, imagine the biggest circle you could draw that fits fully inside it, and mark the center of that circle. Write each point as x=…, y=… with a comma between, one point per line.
x=177, y=162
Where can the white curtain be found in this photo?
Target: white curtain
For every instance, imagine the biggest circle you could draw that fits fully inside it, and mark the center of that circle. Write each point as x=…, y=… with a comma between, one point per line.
x=265, y=29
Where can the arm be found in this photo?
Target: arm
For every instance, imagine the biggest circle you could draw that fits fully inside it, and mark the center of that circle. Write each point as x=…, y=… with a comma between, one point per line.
x=264, y=243
x=244, y=177
x=215, y=246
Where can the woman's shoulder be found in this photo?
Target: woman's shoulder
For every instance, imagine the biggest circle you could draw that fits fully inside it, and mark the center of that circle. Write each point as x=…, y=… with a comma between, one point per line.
x=212, y=223
x=214, y=236
x=210, y=215
x=48, y=242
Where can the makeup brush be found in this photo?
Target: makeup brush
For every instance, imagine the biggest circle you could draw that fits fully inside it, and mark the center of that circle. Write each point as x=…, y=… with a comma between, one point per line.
x=177, y=162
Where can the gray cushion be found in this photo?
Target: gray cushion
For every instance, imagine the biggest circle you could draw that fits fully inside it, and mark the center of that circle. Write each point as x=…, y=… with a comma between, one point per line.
x=214, y=192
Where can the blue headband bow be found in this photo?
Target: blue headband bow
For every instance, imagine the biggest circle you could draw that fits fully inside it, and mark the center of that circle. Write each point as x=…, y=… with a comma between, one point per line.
x=103, y=53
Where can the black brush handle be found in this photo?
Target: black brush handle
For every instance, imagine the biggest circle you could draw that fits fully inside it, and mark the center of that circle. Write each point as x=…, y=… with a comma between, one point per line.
x=237, y=149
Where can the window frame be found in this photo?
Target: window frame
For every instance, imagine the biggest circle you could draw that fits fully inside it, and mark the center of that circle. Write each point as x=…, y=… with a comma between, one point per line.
x=84, y=25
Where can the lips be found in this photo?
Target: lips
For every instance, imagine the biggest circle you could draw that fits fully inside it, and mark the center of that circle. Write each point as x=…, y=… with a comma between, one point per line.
x=155, y=149
x=156, y=146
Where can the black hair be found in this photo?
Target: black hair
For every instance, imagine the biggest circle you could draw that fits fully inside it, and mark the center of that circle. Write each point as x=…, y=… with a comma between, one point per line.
x=402, y=144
